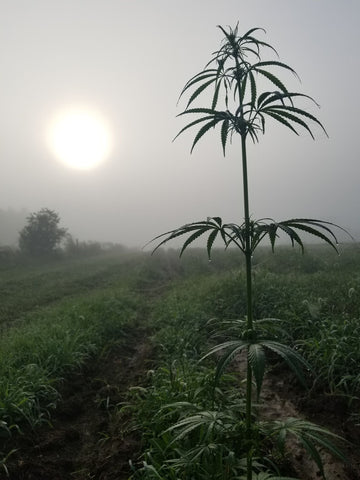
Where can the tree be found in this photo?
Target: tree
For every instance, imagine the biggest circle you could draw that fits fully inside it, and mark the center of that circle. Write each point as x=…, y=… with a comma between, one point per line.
x=42, y=233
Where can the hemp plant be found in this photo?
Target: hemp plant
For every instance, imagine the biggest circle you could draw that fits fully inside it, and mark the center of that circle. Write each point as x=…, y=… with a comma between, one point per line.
x=239, y=109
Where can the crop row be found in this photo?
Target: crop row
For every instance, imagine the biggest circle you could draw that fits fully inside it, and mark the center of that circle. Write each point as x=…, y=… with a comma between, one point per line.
x=188, y=413
x=47, y=346
x=193, y=420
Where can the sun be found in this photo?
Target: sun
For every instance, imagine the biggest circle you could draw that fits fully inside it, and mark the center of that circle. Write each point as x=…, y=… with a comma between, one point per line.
x=79, y=138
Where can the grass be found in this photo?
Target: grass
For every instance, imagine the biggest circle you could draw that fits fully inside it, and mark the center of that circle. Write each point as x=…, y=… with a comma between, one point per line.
x=51, y=343
x=30, y=286
x=185, y=416
x=55, y=316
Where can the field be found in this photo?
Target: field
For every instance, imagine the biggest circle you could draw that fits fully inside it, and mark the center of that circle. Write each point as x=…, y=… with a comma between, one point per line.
x=103, y=372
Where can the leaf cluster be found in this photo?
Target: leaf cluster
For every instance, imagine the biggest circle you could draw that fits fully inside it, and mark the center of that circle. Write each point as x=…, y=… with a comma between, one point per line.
x=235, y=235
x=233, y=71
x=311, y=436
x=255, y=348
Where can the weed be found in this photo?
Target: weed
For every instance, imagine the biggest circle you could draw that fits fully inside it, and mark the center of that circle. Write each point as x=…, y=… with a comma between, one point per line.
x=233, y=71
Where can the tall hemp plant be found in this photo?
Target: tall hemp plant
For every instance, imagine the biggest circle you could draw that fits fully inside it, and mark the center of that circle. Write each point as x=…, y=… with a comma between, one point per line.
x=239, y=109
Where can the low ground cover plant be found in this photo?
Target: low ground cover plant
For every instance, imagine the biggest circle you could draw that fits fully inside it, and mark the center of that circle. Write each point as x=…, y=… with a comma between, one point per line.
x=48, y=345
x=55, y=316
x=58, y=331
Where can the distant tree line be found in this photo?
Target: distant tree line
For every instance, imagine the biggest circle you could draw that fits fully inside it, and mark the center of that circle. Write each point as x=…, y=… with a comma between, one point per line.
x=43, y=237
x=42, y=234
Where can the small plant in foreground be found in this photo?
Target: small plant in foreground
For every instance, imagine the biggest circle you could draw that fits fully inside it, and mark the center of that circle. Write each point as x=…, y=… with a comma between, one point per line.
x=233, y=73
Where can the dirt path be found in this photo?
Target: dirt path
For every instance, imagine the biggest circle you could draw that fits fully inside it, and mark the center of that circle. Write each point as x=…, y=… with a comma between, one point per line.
x=86, y=439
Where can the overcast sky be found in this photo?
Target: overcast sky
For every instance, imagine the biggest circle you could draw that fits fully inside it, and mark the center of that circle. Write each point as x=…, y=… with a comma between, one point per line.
x=128, y=61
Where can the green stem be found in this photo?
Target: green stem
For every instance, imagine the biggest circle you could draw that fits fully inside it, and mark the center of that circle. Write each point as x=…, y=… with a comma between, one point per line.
x=248, y=254
x=249, y=452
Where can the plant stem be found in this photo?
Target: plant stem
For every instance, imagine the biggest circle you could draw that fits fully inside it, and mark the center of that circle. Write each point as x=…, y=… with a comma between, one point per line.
x=248, y=422
x=248, y=254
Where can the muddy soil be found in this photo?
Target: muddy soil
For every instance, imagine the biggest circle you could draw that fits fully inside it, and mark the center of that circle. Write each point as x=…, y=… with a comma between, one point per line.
x=86, y=439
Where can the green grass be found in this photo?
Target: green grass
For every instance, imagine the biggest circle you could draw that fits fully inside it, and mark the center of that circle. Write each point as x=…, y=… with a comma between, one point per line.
x=51, y=343
x=56, y=315
x=24, y=288
x=60, y=314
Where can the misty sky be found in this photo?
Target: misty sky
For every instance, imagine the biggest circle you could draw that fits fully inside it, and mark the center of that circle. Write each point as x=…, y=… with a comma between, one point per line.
x=128, y=61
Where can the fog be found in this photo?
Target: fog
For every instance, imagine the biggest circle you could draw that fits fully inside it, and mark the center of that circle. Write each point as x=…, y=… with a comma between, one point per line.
x=128, y=61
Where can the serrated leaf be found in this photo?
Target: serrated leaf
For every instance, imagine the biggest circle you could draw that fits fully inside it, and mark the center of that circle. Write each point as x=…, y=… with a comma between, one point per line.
x=309, y=434
x=216, y=95
x=262, y=97
x=284, y=113
x=192, y=238
x=221, y=346
x=253, y=134
x=209, y=111
x=316, y=233
x=228, y=357
x=272, y=79
x=273, y=97
x=210, y=241
x=257, y=360
x=294, y=237
x=312, y=451
x=319, y=223
x=274, y=63
x=199, y=90
x=177, y=232
x=202, y=132
x=282, y=120
x=224, y=31
x=195, y=122
x=293, y=359
x=224, y=134
x=283, y=96
x=258, y=44
x=272, y=235
x=302, y=112
x=251, y=31
x=217, y=220
x=198, y=78
x=253, y=90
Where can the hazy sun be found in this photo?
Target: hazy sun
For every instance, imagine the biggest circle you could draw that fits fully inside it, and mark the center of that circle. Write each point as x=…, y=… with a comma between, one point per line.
x=79, y=138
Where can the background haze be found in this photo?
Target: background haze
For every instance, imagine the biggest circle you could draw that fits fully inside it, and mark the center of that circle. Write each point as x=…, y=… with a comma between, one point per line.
x=129, y=61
